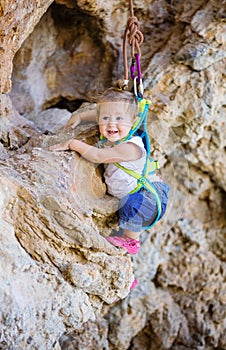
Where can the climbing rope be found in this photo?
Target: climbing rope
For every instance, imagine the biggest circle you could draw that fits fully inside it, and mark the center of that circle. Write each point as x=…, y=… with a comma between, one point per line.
x=135, y=38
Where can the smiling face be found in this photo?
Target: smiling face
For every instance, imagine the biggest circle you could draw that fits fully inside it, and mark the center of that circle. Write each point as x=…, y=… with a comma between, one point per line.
x=115, y=120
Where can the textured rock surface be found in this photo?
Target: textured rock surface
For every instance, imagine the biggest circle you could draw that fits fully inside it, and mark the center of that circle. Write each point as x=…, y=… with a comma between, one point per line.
x=59, y=276
x=18, y=21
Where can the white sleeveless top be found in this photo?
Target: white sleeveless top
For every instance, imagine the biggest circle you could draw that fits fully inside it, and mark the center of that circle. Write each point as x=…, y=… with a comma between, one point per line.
x=118, y=182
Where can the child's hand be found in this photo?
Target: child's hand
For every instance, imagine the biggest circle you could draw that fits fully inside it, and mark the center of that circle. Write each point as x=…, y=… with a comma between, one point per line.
x=64, y=146
x=85, y=116
x=74, y=120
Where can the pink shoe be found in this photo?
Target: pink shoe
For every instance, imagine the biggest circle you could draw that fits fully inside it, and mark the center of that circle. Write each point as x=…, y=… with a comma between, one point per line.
x=133, y=285
x=131, y=245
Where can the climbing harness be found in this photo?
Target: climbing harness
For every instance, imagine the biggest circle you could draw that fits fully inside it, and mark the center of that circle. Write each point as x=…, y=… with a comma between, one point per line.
x=140, y=129
x=135, y=39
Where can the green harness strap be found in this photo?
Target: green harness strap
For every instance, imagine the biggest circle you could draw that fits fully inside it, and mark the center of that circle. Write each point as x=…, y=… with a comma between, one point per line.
x=150, y=165
x=143, y=181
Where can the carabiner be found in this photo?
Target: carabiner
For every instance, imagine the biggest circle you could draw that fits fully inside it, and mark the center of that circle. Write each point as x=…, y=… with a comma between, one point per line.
x=138, y=87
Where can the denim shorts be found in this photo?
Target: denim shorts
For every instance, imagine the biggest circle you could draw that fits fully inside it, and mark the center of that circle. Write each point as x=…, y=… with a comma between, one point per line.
x=138, y=210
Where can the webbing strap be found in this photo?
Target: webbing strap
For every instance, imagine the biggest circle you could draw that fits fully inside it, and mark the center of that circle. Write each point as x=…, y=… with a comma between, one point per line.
x=143, y=181
x=150, y=165
x=153, y=165
x=143, y=106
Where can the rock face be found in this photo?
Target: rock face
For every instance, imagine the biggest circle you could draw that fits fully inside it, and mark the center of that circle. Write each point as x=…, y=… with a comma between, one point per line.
x=63, y=286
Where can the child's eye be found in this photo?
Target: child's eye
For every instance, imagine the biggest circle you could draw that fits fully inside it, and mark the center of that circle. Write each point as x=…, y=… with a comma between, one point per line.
x=119, y=118
x=105, y=117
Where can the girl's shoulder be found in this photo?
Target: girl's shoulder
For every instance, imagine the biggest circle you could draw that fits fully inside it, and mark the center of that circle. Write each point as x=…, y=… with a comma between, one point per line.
x=137, y=140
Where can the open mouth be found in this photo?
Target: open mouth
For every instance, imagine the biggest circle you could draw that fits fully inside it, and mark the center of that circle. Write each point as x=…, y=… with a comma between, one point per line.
x=112, y=132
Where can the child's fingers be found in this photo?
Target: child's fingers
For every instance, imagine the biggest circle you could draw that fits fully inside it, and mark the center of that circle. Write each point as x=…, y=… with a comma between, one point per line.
x=73, y=121
x=74, y=124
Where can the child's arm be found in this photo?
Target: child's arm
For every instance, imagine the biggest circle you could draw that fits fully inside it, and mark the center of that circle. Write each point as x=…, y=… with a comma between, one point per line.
x=86, y=116
x=120, y=153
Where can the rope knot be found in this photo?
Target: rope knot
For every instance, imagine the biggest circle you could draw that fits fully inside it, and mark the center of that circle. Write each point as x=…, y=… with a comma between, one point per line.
x=135, y=37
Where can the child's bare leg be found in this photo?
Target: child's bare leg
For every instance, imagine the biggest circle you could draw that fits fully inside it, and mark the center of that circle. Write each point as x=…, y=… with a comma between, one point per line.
x=132, y=234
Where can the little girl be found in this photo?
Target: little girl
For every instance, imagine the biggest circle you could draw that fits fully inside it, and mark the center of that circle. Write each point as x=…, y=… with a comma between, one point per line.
x=115, y=113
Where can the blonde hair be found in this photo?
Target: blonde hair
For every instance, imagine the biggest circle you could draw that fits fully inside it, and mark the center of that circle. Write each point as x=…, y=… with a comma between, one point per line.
x=114, y=94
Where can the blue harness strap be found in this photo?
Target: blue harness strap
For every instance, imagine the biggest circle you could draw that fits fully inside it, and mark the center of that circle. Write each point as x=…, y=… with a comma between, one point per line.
x=140, y=129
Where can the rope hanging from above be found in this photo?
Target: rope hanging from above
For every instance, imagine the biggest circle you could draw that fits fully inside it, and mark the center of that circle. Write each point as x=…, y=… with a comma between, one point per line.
x=135, y=38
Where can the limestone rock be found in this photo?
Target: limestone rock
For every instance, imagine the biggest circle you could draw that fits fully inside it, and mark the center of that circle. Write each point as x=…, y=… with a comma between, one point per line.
x=52, y=119
x=63, y=286
x=19, y=20
x=32, y=291
x=53, y=253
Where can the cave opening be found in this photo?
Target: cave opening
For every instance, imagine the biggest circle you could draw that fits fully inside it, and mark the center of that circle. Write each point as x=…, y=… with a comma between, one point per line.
x=71, y=106
x=61, y=64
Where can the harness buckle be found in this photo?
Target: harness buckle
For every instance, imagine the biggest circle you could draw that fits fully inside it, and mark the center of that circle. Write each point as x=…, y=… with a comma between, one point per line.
x=142, y=180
